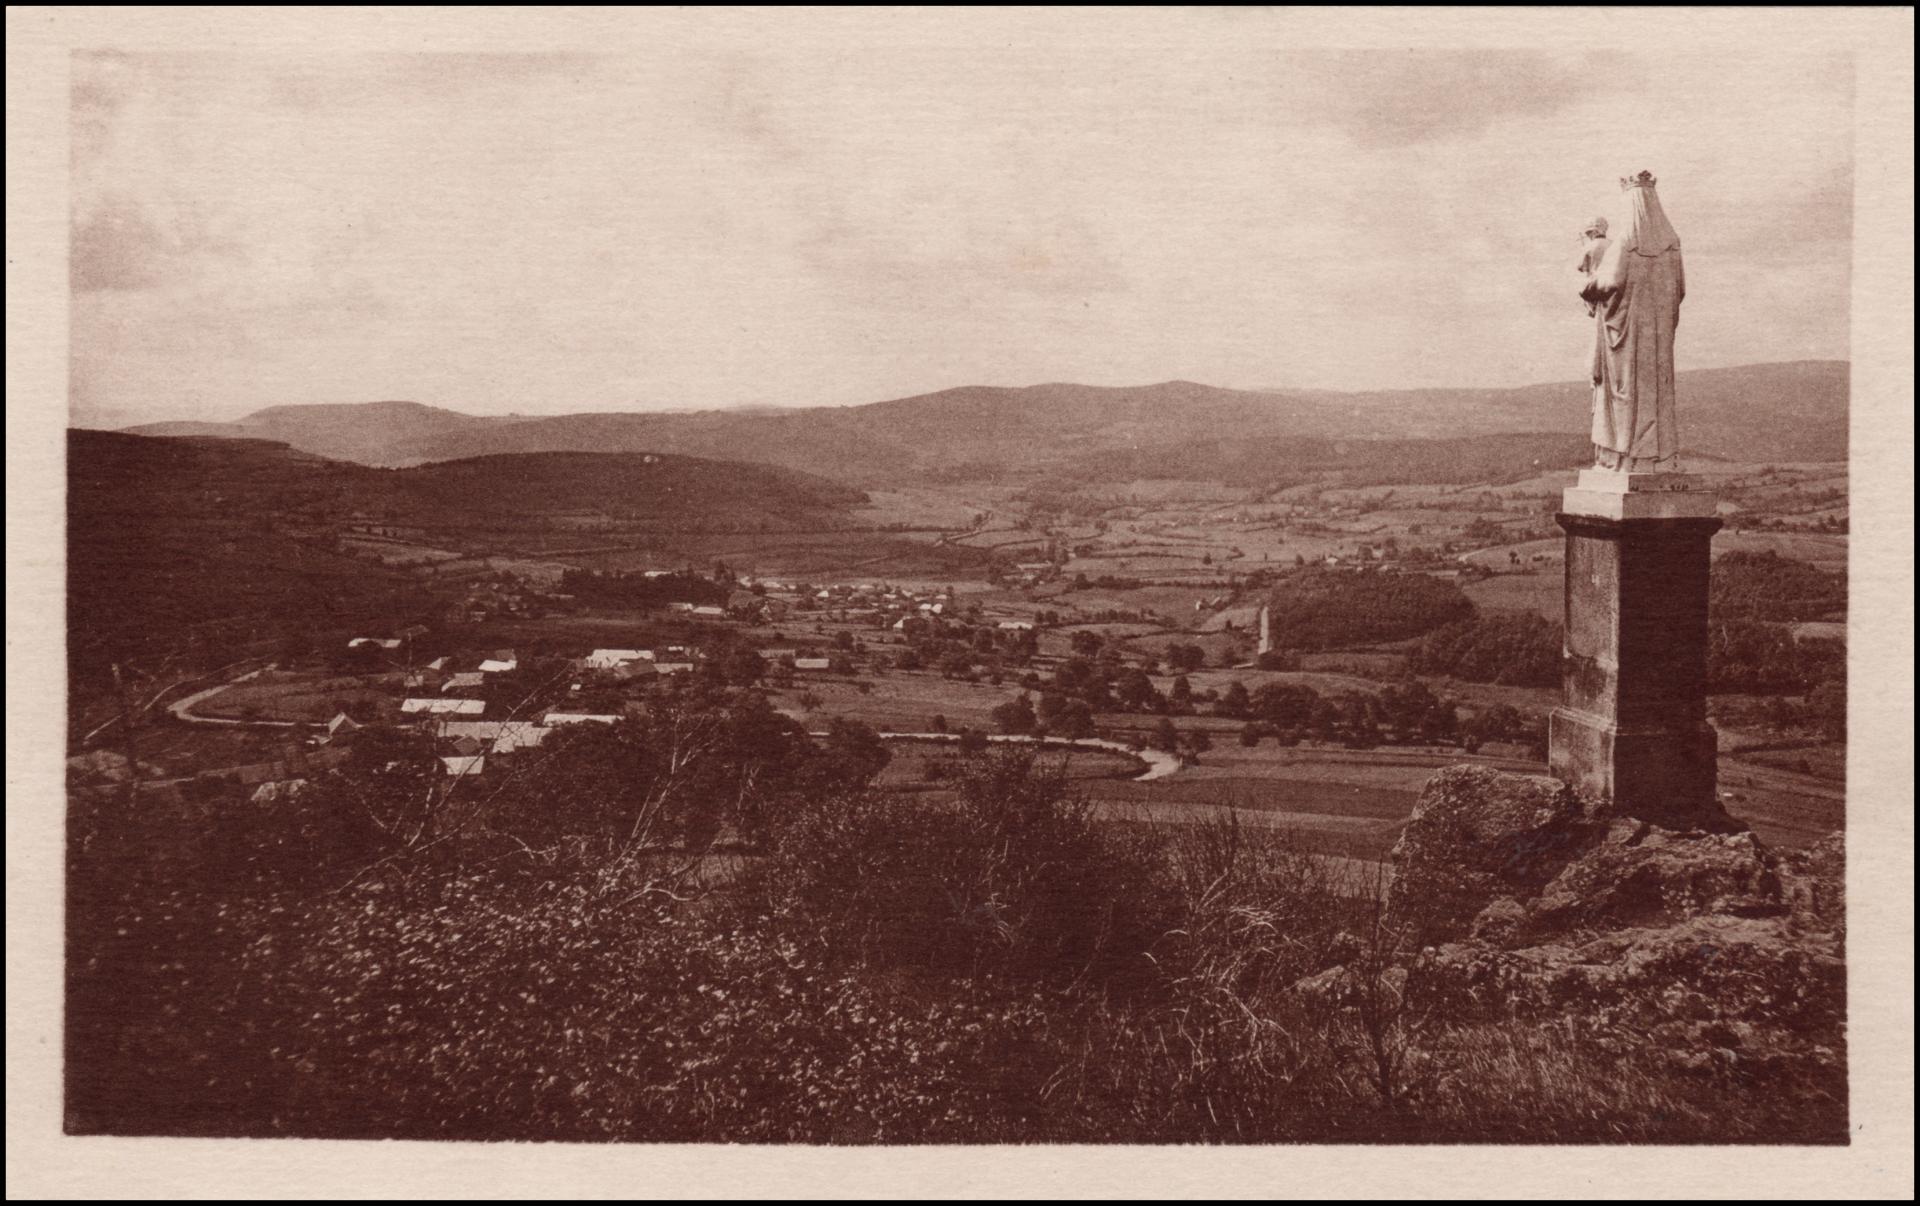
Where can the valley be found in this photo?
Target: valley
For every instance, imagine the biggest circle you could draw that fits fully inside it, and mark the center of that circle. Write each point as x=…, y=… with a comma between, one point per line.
x=1119, y=587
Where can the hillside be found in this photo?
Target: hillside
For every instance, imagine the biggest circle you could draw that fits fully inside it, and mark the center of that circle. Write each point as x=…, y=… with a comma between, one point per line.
x=366, y=432
x=173, y=547
x=665, y=493
x=1279, y=461
x=1793, y=411
x=814, y=441
x=232, y=541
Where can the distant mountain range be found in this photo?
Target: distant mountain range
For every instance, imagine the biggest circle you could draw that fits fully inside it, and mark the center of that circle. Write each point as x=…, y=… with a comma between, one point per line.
x=1792, y=411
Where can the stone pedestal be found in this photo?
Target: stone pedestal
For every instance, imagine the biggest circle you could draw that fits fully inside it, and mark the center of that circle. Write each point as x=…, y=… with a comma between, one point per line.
x=1632, y=725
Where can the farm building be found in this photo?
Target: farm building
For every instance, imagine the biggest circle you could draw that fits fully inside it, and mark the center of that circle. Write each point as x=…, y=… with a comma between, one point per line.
x=466, y=680
x=812, y=663
x=440, y=707
x=496, y=666
x=498, y=736
x=607, y=659
x=554, y=718
x=341, y=727
x=462, y=765
x=520, y=737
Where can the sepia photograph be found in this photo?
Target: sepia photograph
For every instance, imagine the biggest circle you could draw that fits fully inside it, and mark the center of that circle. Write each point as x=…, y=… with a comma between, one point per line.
x=1022, y=588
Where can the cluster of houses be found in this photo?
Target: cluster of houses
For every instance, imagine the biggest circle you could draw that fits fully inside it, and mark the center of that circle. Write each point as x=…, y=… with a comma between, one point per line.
x=640, y=663
x=508, y=597
x=466, y=745
x=878, y=603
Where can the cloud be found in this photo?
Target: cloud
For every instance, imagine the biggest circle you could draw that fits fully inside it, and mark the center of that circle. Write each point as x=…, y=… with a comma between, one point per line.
x=690, y=228
x=1382, y=99
x=120, y=244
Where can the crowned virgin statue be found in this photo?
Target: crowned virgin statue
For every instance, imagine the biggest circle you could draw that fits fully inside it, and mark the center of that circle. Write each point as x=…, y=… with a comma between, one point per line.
x=1633, y=284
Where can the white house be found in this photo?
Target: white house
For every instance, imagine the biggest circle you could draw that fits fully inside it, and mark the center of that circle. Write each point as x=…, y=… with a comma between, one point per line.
x=460, y=765
x=812, y=663
x=438, y=707
x=496, y=666
x=479, y=730
x=554, y=718
x=342, y=725
x=607, y=659
x=519, y=737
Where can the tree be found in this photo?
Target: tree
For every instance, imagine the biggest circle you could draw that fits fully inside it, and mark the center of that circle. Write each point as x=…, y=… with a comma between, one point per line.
x=1165, y=736
x=1016, y=716
x=1197, y=742
x=1184, y=659
x=1181, y=696
x=1072, y=720
x=741, y=666
x=1137, y=692
x=854, y=752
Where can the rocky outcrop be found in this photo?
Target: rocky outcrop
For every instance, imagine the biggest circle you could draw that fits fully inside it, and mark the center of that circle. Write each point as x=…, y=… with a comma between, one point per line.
x=1514, y=897
x=1513, y=859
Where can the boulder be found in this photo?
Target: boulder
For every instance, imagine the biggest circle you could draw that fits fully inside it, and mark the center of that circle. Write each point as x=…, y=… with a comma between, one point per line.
x=1520, y=859
x=1658, y=878
x=1477, y=836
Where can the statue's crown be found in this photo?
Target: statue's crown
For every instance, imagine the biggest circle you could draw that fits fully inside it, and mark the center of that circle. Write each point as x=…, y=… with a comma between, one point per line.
x=1643, y=180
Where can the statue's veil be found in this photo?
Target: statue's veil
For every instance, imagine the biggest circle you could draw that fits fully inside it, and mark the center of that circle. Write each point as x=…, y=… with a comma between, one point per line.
x=1648, y=231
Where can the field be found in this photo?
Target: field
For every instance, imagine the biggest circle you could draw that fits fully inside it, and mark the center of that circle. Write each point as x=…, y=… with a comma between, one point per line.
x=1092, y=770
x=896, y=702
x=301, y=696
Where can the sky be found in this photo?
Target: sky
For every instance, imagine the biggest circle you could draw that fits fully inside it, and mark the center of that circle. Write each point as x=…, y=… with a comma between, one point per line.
x=554, y=233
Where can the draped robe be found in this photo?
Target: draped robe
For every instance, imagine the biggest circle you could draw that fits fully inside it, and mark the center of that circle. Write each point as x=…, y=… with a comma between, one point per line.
x=1635, y=294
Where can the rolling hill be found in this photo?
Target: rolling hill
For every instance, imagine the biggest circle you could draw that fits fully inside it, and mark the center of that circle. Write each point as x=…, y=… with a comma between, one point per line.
x=365, y=432
x=1795, y=411
x=227, y=542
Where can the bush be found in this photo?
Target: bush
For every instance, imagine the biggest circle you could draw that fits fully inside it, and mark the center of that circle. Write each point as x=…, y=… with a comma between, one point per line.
x=1014, y=879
